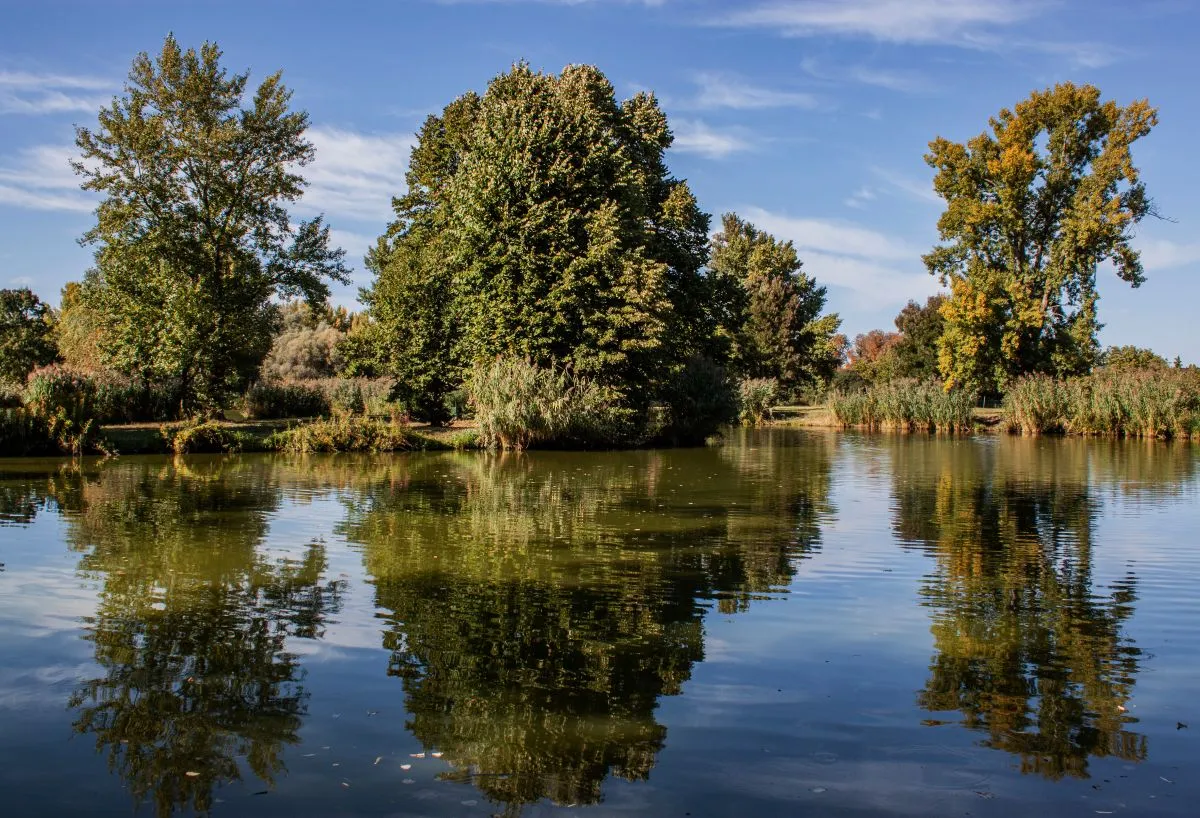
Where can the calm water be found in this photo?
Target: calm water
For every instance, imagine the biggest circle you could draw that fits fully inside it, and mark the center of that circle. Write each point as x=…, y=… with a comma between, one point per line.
x=792, y=624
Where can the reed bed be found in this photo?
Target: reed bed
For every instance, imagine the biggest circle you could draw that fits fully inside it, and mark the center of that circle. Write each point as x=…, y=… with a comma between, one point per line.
x=906, y=405
x=1160, y=403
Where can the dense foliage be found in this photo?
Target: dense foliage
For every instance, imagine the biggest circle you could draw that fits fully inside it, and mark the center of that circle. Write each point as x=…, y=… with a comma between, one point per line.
x=1032, y=208
x=26, y=341
x=193, y=237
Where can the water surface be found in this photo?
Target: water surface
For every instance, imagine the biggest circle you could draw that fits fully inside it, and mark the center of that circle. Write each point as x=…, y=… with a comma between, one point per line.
x=791, y=624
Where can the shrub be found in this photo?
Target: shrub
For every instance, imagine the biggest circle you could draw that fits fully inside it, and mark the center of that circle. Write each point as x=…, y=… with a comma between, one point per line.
x=11, y=396
x=519, y=405
x=700, y=399
x=24, y=434
x=209, y=437
x=346, y=398
x=268, y=400
x=121, y=399
x=346, y=434
x=756, y=396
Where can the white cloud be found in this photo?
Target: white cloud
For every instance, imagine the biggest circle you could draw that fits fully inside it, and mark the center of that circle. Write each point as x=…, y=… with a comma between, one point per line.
x=916, y=189
x=893, y=79
x=899, y=21
x=860, y=197
x=695, y=136
x=718, y=90
x=355, y=175
x=40, y=178
x=879, y=270
x=22, y=92
x=1163, y=254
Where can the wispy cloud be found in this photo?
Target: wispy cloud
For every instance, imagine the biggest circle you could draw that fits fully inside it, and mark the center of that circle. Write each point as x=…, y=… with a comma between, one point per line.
x=355, y=175
x=920, y=190
x=40, y=178
x=893, y=79
x=860, y=197
x=695, y=136
x=899, y=21
x=877, y=269
x=721, y=90
x=1163, y=254
x=22, y=92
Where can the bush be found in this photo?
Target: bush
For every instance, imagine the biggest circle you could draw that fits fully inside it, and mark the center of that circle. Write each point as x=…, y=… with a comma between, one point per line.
x=268, y=400
x=121, y=399
x=904, y=404
x=209, y=437
x=24, y=434
x=756, y=396
x=519, y=405
x=346, y=398
x=346, y=434
x=700, y=399
x=11, y=396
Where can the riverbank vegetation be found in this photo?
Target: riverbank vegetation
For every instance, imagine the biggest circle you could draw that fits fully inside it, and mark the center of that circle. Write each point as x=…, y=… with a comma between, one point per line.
x=558, y=283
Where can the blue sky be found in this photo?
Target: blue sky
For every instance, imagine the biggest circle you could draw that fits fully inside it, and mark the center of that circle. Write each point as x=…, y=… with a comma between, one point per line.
x=809, y=117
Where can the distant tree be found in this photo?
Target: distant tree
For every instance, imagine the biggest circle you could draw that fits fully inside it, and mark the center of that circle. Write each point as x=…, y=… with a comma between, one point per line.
x=873, y=355
x=193, y=237
x=773, y=315
x=1032, y=208
x=920, y=327
x=78, y=330
x=26, y=337
x=1131, y=357
x=307, y=345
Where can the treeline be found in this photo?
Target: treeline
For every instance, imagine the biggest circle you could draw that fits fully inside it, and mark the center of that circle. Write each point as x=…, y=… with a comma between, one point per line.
x=545, y=270
x=540, y=230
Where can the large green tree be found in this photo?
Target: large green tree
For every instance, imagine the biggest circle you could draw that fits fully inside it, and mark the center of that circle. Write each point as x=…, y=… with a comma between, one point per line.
x=1032, y=208
x=770, y=309
x=193, y=235
x=541, y=221
x=26, y=339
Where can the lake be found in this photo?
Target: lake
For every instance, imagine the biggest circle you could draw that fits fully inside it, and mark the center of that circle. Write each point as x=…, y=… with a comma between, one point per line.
x=793, y=623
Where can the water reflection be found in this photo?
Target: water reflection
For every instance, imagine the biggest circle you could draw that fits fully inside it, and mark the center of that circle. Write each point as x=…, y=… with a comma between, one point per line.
x=196, y=686
x=1028, y=650
x=537, y=611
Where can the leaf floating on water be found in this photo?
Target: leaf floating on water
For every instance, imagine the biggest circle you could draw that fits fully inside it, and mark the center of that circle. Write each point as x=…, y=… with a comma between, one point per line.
x=416, y=755
x=377, y=760
x=1169, y=781
x=406, y=766
x=309, y=755
x=436, y=755
x=192, y=774
x=344, y=784
x=817, y=789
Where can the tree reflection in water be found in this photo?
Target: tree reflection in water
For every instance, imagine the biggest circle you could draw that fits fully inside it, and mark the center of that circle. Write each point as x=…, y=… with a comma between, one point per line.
x=190, y=630
x=537, y=607
x=1027, y=649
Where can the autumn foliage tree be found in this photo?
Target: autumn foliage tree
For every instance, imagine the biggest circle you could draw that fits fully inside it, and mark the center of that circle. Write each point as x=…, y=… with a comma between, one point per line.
x=1033, y=207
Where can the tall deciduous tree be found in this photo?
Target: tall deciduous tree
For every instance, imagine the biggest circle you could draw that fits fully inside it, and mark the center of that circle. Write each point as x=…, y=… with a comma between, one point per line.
x=772, y=309
x=541, y=221
x=193, y=236
x=1032, y=207
x=921, y=328
x=26, y=339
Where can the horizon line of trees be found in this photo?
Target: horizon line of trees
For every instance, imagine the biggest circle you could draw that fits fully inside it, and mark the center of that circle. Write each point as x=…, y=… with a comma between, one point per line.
x=540, y=222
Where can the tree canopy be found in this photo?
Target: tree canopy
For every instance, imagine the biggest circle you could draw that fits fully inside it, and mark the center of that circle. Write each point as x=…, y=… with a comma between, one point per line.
x=26, y=338
x=193, y=235
x=541, y=221
x=772, y=309
x=1032, y=208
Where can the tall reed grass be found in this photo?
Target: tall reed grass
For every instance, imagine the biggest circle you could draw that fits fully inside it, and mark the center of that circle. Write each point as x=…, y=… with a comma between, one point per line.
x=519, y=405
x=320, y=397
x=907, y=405
x=1158, y=403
